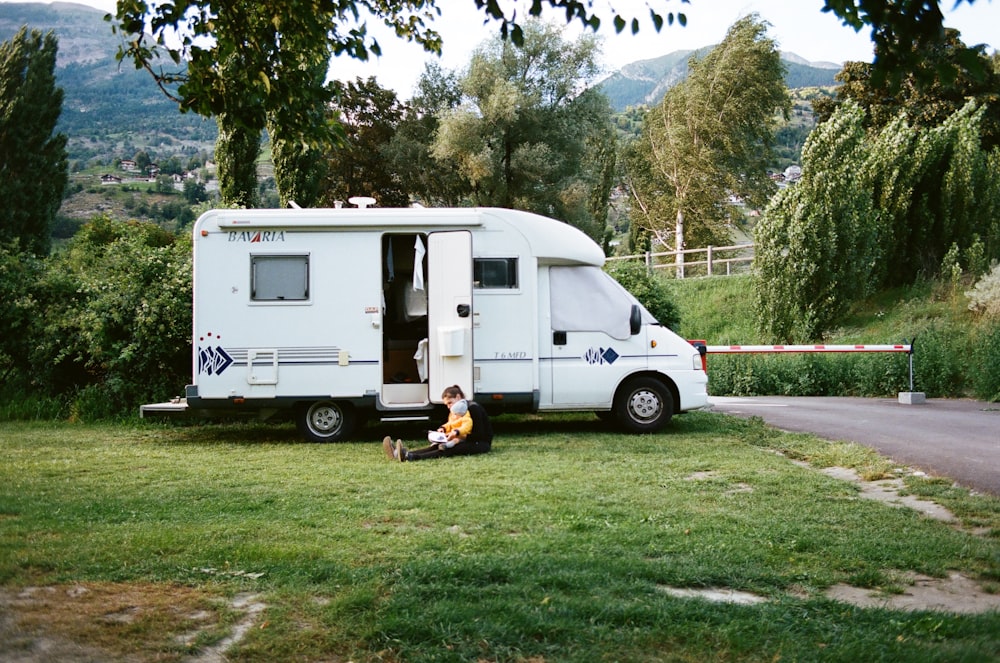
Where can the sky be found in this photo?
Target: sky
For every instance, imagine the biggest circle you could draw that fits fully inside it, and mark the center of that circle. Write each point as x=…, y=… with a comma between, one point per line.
x=800, y=27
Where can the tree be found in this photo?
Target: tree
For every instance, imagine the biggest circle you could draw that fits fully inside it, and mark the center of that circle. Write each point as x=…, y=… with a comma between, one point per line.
x=934, y=188
x=20, y=273
x=299, y=163
x=369, y=114
x=194, y=191
x=903, y=31
x=529, y=134
x=924, y=98
x=710, y=138
x=33, y=161
x=873, y=210
x=235, y=58
x=815, y=245
x=246, y=63
x=428, y=181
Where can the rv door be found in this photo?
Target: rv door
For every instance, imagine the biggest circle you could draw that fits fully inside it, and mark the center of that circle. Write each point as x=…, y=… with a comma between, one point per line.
x=449, y=310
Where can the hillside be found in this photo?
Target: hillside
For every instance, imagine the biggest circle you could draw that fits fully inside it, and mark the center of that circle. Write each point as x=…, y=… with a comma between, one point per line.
x=108, y=110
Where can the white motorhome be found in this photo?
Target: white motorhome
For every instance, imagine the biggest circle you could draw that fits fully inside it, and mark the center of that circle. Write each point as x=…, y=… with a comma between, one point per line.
x=345, y=315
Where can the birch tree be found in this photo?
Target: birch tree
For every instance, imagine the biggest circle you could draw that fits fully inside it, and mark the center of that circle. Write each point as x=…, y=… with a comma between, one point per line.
x=711, y=137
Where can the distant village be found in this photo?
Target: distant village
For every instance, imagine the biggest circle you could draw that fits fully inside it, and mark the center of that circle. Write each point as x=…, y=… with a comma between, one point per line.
x=149, y=174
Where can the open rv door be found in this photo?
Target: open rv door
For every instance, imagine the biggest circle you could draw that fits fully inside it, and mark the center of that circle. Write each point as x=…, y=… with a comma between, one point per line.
x=449, y=301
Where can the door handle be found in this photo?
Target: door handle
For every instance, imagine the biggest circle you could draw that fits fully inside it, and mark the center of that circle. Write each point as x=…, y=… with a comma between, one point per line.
x=463, y=310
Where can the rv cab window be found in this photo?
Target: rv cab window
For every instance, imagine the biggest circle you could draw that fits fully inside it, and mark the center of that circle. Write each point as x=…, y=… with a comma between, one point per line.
x=279, y=278
x=586, y=298
x=499, y=273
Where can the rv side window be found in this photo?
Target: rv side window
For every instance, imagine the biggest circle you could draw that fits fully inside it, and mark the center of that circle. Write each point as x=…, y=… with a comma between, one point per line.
x=495, y=273
x=279, y=278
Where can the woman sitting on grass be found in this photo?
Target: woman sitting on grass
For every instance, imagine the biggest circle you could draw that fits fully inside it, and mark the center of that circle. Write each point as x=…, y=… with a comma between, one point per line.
x=467, y=431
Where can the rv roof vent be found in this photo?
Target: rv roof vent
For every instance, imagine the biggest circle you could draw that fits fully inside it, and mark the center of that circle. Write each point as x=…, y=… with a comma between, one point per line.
x=361, y=201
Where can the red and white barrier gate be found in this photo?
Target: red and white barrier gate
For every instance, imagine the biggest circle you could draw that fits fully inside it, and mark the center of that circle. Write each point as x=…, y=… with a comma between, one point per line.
x=736, y=349
x=779, y=349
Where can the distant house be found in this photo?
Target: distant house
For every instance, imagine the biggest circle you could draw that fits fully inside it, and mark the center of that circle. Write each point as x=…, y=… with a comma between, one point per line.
x=153, y=170
x=128, y=165
x=108, y=178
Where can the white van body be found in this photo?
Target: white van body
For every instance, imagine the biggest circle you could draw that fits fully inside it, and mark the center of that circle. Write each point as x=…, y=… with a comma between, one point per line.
x=349, y=314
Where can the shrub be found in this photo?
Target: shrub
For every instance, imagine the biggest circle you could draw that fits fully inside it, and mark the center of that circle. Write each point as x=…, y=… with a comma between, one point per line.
x=940, y=360
x=808, y=375
x=117, y=318
x=984, y=298
x=986, y=358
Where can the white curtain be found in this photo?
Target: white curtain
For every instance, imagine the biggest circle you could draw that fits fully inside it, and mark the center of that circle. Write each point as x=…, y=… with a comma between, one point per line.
x=585, y=298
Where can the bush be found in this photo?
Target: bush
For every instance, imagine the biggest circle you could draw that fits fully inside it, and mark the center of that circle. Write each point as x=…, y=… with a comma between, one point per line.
x=984, y=298
x=808, y=375
x=940, y=360
x=116, y=318
x=986, y=359
x=648, y=289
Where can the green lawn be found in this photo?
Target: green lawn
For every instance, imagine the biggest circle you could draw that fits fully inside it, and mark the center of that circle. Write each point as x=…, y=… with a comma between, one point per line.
x=555, y=547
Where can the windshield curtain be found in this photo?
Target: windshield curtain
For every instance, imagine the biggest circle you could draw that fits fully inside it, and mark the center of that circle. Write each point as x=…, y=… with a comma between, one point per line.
x=585, y=298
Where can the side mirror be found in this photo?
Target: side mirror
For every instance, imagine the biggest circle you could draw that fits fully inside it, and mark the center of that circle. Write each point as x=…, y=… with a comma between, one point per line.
x=635, y=320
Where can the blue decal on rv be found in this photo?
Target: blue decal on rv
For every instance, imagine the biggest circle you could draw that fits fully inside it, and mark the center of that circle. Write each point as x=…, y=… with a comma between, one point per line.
x=601, y=356
x=213, y=360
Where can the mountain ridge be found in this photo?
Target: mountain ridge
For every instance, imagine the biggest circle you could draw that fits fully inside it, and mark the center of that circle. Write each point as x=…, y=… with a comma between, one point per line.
x=644, y=82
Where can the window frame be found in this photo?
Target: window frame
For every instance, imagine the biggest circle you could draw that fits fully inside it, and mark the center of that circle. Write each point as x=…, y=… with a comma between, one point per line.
x=513, y=270
x=306, y=263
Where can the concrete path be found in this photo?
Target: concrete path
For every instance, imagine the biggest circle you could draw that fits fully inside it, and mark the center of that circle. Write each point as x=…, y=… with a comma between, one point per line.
x=959, y=439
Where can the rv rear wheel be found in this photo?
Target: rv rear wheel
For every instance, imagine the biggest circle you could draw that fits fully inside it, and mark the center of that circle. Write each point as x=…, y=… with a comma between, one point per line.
x=643, y=405
x=325, y=421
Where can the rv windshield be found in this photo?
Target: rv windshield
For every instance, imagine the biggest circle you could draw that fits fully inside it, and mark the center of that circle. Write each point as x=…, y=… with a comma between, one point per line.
x=585, y=298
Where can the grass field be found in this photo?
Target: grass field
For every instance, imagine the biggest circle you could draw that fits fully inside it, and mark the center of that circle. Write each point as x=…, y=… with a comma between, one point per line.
x=125, y=542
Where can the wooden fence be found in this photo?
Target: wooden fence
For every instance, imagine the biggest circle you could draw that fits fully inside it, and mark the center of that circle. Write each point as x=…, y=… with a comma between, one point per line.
x=734, y=259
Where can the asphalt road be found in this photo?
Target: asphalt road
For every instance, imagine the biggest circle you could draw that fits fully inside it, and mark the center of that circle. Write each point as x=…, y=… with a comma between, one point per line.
x=958, y=439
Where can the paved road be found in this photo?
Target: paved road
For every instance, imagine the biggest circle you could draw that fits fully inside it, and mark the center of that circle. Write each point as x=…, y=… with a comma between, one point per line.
x=959, y=439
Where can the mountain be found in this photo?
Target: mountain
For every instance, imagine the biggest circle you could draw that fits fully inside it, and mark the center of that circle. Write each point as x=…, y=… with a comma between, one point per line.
x=646, y=81
x=108, y=109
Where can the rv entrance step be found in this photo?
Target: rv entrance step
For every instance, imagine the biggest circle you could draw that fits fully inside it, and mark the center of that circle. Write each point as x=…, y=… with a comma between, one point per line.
x=404, y=417
x=176, y=407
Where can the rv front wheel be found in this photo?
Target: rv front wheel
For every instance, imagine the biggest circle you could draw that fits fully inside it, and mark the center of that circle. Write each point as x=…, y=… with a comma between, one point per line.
x=643, y=405
x=325, y=421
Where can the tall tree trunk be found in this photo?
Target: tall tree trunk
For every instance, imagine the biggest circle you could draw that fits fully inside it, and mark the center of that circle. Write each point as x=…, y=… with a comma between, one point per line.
x=299, y=170
x=679, y=236
x=236, y=152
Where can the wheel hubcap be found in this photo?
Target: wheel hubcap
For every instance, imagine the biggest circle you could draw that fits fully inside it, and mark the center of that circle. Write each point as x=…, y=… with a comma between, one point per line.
x=325, y=419
x=644, y=405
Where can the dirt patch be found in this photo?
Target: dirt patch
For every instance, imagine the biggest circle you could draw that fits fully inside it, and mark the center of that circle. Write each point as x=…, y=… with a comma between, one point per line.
x=956, y=593
x=715, y=595
x=888, y=491
x=120, y=622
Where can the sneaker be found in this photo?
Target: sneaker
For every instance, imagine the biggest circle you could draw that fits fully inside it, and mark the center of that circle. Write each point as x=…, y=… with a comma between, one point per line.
x=400, y=452
x=387, y=447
